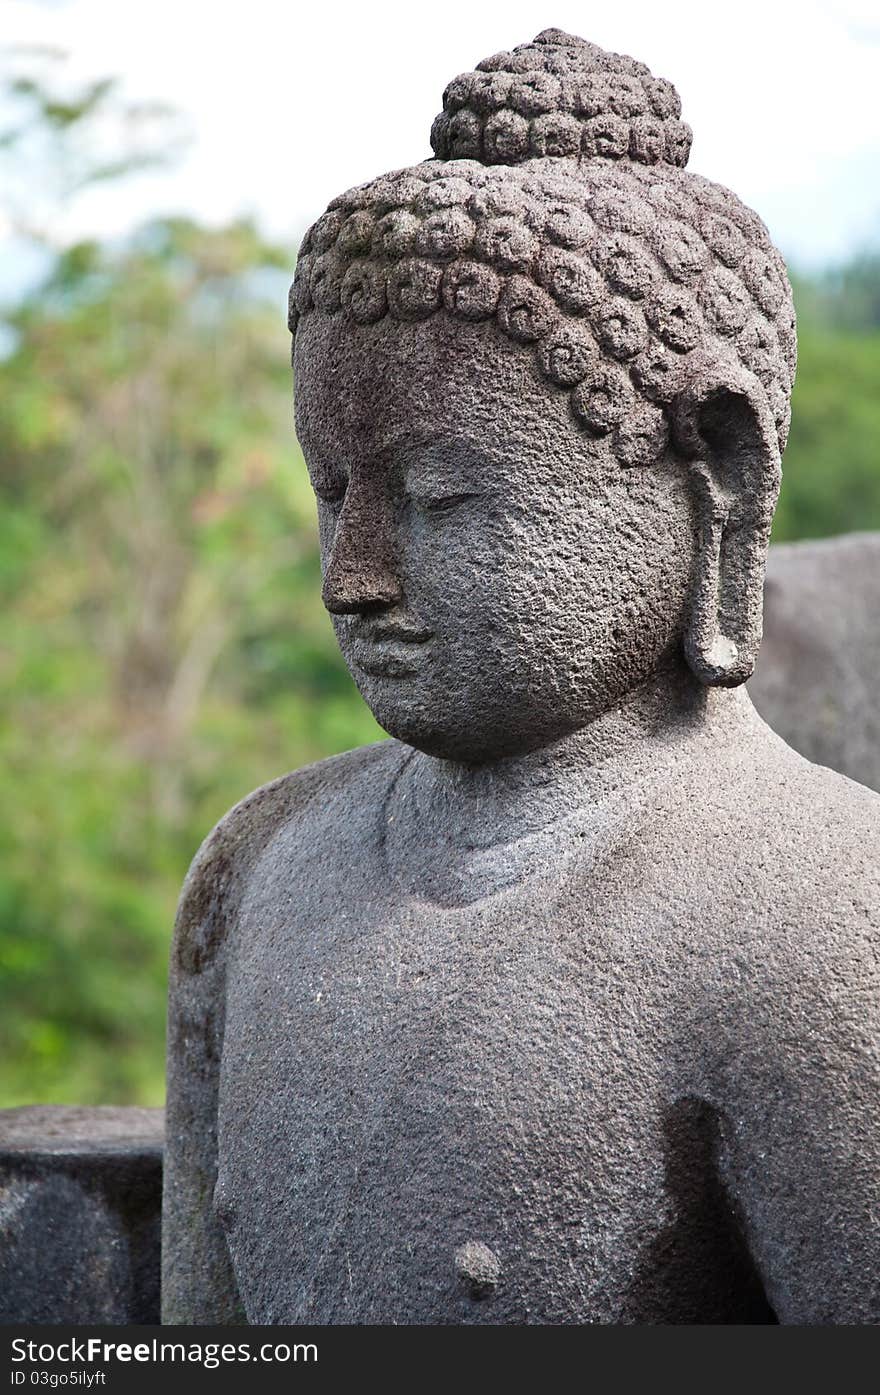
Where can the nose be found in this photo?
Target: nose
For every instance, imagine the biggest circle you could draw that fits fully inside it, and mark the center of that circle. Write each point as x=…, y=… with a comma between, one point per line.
x=361, y=574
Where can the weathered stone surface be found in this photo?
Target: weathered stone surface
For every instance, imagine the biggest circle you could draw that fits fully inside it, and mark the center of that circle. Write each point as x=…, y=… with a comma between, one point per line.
x=558, y=1006
x=817, y=677
x=80, y=1202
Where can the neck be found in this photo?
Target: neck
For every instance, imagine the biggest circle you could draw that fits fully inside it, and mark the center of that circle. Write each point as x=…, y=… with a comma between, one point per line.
x=457, y=832
x=650, y=729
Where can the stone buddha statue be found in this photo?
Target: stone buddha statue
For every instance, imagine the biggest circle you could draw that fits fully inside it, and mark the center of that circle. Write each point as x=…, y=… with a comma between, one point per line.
x=558, y=1006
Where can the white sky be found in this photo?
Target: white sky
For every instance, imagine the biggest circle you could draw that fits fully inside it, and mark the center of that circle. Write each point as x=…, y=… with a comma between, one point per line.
x=293, y=103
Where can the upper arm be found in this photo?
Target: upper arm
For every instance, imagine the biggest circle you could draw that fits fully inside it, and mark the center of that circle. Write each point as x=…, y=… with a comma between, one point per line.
x=198, y=1285
x=801, y=1151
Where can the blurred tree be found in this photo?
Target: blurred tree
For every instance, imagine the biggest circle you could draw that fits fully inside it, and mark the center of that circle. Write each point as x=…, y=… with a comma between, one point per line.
x=59, y=136
x=831, y=469
x=846, y=297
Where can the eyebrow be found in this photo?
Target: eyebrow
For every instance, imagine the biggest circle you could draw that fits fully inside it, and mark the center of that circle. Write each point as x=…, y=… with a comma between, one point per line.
x=399, y=442
x=399, y=445
x=390, y=444
x=397, y=448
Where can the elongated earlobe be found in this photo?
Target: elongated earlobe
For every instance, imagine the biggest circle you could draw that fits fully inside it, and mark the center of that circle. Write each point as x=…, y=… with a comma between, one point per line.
x=724, y=631
x=723, y=426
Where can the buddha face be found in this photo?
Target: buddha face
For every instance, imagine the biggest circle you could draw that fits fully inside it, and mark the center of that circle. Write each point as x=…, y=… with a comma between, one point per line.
x=496, y=578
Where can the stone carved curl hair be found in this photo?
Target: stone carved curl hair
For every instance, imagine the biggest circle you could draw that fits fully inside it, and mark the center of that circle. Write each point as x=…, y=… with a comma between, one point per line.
x=558, y=205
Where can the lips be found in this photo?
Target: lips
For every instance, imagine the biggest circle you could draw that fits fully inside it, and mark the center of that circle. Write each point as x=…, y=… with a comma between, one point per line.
x=388, y=651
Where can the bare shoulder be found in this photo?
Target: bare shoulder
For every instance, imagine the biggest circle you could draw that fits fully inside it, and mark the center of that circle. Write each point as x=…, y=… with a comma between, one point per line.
x=815, y=835
x=829, y=829
x=213, y=887
x=778, y=861
x=836, y=865
x=803, y=923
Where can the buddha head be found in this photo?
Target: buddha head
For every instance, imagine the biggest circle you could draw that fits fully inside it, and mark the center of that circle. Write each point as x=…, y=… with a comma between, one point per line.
x=542, y=390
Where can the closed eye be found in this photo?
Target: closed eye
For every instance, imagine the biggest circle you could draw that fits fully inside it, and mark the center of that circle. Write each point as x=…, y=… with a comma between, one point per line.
x=442, y=503
x=332, y=494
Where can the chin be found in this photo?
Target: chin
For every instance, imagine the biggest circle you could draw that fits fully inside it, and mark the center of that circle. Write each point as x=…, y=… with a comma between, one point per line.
x=433, y=728
x=428, y=725
x=413, y=728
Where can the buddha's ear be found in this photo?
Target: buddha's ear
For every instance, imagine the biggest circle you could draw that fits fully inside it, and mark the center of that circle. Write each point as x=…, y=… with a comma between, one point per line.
x=723, y=427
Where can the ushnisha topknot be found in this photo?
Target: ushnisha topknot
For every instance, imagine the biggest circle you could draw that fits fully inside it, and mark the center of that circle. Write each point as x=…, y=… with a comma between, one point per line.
x=558, y=206
x=565, y=97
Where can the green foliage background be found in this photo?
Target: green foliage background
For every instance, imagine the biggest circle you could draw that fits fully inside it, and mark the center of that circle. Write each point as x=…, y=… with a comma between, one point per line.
x=164, y=648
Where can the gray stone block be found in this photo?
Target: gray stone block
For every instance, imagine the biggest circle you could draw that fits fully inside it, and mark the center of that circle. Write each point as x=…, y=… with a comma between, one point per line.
x=818, y=671
x=80, y=1201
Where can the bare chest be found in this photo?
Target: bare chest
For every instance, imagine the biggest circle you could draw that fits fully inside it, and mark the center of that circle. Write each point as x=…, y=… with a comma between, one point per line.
x=467, y=1115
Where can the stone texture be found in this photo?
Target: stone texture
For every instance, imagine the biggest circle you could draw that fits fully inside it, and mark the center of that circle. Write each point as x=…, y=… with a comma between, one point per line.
x=819, y=668
x=641, y=262
x=557, y=1007
x=80, y=1202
